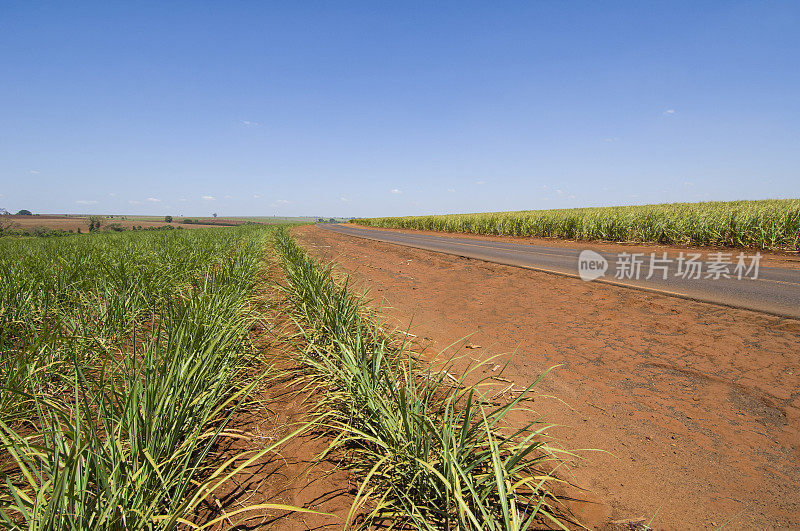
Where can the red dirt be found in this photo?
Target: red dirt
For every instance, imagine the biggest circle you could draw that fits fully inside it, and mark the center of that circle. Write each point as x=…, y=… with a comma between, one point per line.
x=289, y=475
x=286, y=476
x=696, y=407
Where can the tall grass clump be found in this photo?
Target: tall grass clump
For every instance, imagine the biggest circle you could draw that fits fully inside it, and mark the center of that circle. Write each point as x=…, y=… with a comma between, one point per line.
x=768, y=224
x=122, y=359
x=431, y=451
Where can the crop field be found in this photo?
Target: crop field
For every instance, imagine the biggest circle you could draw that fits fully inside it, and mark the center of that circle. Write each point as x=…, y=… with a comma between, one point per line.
x=61, y=225
x=119, y=356
x=767, y=224
x=124, y=355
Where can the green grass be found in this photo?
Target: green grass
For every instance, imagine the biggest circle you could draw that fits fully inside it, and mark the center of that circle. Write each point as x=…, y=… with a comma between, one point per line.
x=431, y=452
x=767, y=224
x=122, y=356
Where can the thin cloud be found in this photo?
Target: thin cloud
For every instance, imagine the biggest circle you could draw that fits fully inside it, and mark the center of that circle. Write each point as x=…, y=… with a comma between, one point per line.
x=250, y=123
x=560, y=192
x=227, y=197
x=451, y=190
x=344, y=200
x=153, y=200
x=396, y=191
x=256, y=196
x=480, y=182
x=112, y=194
x=281, y=202
x=86, y=202
x=207, y=198
x=611, y=139
x=182, y=200
x=33, y=172
x=669, y=112
x=134, y=202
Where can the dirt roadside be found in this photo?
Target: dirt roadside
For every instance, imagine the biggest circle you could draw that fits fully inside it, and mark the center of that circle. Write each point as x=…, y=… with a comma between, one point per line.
x=696, y=406
x=784, y=259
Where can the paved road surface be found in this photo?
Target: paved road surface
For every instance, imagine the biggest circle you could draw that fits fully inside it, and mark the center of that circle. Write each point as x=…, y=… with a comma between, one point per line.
x=774, y=291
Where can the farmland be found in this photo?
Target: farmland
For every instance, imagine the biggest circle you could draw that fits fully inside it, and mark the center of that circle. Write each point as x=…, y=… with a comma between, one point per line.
x=120, y=355
x=124, y=355
x=767, y=224
x=52, y=224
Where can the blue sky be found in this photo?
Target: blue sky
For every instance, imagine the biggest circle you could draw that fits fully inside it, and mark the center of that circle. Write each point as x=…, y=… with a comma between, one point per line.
x=394, y=108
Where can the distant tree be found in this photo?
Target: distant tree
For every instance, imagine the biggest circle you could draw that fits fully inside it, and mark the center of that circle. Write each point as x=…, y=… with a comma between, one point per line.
x=168, y=219
x=214, y=214
x=24, y=212
x=5, y=224
x=94, y=223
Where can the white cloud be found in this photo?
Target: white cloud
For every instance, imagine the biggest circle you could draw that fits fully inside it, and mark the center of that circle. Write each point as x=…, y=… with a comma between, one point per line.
x=207, y=198
x=451, y=190
x=256, y=196
x=33, y=172
x=134, y=202
x=396, y=191
x=480, y=182
x=86, y=202
x=153, y=200
x=669, y=112
x=250, y=123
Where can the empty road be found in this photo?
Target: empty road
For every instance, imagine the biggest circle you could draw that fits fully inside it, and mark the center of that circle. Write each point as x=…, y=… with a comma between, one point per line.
x=770, y=290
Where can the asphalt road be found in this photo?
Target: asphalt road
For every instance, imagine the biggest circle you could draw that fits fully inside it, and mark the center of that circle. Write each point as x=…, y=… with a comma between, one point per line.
x=774, y=290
